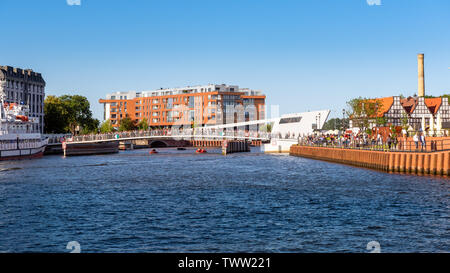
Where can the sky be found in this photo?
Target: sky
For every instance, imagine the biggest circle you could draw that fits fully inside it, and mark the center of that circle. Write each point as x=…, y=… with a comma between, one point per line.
x=303, y=54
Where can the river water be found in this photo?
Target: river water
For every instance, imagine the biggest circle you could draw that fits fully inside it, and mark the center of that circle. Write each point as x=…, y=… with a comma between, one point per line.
x=179, y=201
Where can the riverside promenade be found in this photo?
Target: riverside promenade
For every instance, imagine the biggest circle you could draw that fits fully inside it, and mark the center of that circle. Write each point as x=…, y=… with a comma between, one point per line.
x=436, y=162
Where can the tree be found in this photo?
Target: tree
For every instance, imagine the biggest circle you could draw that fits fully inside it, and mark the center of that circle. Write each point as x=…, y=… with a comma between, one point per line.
x=266, y=128
x=91, y=127
x=143, y=124
x=76, y=110
x=54, y=120
x=335, y=124
x=127, y=124
x=405, y=121
x=363, y=111
x=381, y=121
x=106, y=127
x=65, y=113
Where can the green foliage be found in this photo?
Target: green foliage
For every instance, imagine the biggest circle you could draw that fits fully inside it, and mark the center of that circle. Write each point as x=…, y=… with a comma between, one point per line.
x=143, y=124
x=266, y=127
x=127, y=124
x=404, y=121
x=90, y=127
x=336, y=124
x=393, y=131
x=362, y=111
x=381, y=121
x=106, y=127
x=54, y=120
x=65, y=113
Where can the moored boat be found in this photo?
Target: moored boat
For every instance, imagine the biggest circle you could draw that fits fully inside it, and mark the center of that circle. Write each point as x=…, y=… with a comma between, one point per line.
x=17, y=138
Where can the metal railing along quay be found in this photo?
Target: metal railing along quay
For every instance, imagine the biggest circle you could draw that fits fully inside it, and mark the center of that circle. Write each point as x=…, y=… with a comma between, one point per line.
x=400, y=146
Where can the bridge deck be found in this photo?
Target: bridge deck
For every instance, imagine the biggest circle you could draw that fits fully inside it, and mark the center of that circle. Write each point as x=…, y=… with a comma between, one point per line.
x=181, y=137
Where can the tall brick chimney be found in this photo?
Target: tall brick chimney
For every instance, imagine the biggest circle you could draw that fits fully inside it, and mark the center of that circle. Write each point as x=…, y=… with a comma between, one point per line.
x=421, y=75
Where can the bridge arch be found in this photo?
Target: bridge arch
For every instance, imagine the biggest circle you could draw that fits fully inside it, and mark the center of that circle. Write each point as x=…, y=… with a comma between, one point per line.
x=158, y=144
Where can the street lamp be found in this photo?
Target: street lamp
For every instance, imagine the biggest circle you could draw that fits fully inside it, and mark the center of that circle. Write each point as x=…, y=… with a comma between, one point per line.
x=343, y=119
x=317, y=126
x=319, y=121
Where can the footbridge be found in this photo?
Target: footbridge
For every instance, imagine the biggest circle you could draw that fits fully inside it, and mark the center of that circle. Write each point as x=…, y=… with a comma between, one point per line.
x=189, y=135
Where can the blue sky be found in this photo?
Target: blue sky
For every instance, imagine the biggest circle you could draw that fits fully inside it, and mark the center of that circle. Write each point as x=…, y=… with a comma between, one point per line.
x=305, y=55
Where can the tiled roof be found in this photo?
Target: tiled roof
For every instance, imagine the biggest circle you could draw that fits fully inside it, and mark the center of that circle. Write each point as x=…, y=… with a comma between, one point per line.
x=409, y=104
x=385, y=105
x=433, y=104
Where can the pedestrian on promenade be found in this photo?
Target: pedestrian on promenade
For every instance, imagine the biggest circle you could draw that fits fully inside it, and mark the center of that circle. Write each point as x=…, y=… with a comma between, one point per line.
x=379, y=139
x=395, y=142
x=404, y=139
x=416, y=140
x=389, y=141
x=423, y=141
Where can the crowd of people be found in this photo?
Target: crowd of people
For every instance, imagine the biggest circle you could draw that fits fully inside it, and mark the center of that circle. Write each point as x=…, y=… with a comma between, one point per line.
x=391, y=141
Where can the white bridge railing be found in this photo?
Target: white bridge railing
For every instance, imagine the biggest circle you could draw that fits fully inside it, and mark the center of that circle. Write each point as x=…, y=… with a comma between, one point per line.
x=172, y=134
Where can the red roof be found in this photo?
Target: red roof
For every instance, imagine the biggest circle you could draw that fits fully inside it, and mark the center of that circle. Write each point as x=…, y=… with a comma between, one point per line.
x=384, y=103
x=433, y=104
x=409, y=104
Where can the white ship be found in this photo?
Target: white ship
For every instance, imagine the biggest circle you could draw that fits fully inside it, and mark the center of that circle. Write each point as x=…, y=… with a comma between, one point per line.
x=17, y=138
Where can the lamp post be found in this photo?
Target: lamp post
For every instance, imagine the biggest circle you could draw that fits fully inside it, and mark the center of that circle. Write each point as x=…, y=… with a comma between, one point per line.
x=343, y=119
x=319, y=121
x=317, y=126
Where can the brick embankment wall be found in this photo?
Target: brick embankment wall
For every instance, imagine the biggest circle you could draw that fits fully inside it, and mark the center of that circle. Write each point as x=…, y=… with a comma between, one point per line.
x=437, y=163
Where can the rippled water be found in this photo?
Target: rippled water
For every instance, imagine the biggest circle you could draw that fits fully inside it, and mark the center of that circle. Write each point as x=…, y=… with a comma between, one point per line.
x=178, y=201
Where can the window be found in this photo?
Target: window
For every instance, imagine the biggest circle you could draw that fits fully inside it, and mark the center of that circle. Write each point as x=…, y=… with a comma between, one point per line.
x=291, y=120
x=169, y=103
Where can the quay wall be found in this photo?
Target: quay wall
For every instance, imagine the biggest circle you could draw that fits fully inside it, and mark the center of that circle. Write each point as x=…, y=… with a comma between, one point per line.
x=235, y=147
x=218, y=143
x=437, y=163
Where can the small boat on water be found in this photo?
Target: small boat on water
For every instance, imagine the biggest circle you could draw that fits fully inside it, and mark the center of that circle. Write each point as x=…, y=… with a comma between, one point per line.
x=200, y=151
x=153, y=151
x=181, y=148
